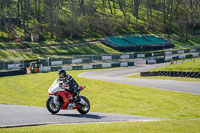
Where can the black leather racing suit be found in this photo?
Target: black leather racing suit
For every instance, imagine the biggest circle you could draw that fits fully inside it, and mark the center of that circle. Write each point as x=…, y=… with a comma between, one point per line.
x=73, y=85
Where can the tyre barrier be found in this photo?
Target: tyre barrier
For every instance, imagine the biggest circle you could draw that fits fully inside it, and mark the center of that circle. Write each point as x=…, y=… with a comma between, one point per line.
x=171, y=74
x=150, y=61
x=131, y=63
x=13, y=72
x=89, y=66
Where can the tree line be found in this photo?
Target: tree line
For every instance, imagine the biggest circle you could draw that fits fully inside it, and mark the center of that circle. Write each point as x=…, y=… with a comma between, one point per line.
x=86, y=18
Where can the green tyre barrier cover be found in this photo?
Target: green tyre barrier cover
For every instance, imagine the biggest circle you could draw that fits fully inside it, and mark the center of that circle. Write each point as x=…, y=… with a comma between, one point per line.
x=189, y=56
x=160, y=60
x=77, y=67
x=115, y=65
x=67, y=61
x=130, y=63
x=97, y=66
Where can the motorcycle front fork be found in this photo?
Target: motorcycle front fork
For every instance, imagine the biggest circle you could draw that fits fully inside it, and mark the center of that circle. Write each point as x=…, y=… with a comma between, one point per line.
x=55, y=99
x=82, y=102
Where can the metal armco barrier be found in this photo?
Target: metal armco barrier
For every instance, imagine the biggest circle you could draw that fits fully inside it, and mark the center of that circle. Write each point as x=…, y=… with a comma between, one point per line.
x=171, y=74
x=13, y=73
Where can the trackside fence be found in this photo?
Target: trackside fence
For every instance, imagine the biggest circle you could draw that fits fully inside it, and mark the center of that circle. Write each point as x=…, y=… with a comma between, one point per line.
x=77, y=67
x=83, y=62
x=169, y=55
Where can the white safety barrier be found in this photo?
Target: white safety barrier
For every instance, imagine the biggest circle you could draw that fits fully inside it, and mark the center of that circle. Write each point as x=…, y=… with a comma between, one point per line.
x=124, y=64
x=75, y=61
x=168, y=59
x=195, y=55
x=13, y=66
x=140, y=55
x=181, y=52
x=106, y=65
x=67, y=67
x=45, y=69
x=168, y=52
x=193, y=50
x=85, y=67
x=182, y=56
x=124, y=56
x=106, y=57
x=54, y=63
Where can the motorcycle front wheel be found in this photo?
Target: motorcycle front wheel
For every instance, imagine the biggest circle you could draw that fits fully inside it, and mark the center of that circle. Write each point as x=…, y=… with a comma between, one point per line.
x=52, y=107
x=86, y=108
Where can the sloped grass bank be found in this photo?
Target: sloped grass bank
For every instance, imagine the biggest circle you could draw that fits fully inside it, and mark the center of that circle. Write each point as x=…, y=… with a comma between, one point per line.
x=104, y=96
x=97, y=48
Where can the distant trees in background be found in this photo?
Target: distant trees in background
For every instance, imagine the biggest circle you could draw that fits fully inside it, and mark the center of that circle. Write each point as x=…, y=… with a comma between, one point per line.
x=86, y=18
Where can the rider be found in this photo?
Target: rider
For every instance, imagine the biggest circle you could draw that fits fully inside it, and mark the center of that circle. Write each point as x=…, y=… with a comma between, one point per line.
x=69, y=83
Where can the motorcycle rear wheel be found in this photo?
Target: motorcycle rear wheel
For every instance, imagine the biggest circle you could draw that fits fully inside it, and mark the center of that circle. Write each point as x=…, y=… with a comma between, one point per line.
x=84, y=109
x=52, y=107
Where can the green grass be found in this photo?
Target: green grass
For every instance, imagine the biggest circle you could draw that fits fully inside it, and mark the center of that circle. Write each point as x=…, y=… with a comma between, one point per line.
x=187, y=66
x=114, y=127
x=193, y=41
x=184, y=44
x=104, y=96
x=97, y=48
x=13, y=54
x=66, y=41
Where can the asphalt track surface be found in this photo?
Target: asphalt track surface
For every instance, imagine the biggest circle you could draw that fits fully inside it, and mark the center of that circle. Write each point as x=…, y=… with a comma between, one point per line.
x=118, y=76
x=17, y=116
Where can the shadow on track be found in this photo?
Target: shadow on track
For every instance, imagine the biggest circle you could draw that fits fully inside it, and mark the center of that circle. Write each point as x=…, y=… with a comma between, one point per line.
x=90, y=116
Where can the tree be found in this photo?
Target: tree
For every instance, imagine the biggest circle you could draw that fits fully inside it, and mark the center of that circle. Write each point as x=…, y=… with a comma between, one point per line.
x=136, y=8
x=120, y=2
x=111, y=12
x=51, y=17
x=149, y=13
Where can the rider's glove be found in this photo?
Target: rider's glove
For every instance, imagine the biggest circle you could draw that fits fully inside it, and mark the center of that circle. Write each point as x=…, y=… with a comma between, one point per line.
x=76, y=93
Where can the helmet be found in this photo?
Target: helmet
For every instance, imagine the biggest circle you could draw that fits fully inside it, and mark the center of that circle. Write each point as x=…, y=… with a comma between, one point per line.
x=61, y=73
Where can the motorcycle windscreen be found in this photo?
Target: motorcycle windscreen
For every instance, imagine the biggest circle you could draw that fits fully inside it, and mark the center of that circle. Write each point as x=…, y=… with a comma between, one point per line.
x=55, y=87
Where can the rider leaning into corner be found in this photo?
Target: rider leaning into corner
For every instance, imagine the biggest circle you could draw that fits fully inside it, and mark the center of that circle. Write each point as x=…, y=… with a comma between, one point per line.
x=68, y=83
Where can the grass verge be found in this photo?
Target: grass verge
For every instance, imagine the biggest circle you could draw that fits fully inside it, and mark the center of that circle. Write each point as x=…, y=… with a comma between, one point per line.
x=193, y=65
x=166, y=78
x=188, y=66
x=104, y=96
x=114, y=127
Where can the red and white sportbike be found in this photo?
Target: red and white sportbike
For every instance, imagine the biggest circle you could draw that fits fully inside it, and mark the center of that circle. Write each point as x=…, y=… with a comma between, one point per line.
x=62, y=99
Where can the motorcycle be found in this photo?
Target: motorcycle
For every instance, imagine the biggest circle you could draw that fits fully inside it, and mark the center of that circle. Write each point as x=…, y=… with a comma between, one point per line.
x=62, y=99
